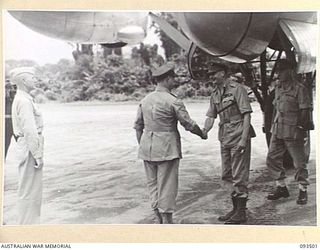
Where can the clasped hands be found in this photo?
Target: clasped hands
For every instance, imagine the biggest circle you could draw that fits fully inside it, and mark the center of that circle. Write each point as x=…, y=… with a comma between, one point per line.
x=204, y=135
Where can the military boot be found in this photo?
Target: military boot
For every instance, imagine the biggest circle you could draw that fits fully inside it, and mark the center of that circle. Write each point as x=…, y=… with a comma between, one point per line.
x=303, y=197
x=166, y=218
x=157, y=219
x=232, y=212
x=240, y=214
x=278, y=193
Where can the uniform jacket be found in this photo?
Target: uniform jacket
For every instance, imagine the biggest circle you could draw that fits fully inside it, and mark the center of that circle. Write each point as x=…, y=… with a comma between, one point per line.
x=231, y=119
x=28, y=123
x=290, y=98
x=157, y=117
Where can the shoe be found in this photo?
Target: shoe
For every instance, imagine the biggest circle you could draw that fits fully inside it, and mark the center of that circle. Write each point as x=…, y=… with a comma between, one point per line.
x=166, y=218
x=278, y=193
x=157, y=219
x=240, y=215
x=302, y=198
x=232, y=212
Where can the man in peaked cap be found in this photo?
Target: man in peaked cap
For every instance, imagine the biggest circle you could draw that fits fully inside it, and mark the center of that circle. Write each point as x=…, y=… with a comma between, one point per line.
x=291, y=121
x=27, y=128
x=159, y=142
x=230, y=101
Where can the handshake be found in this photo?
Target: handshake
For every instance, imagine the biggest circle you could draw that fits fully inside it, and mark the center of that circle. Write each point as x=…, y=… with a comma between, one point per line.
x=200, y=132
x=204, y=134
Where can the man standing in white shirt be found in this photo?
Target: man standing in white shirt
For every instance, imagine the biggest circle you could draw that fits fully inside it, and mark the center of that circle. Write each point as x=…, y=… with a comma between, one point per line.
x=27, y=128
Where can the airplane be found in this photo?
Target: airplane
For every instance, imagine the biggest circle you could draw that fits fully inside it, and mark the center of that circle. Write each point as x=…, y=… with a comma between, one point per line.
x=241, y=39
x=110, y=29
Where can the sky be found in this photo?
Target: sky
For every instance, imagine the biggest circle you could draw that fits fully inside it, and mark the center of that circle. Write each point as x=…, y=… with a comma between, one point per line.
x=21, y=42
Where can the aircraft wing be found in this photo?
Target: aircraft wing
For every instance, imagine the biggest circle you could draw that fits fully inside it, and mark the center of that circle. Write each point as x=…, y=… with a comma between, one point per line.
x=86, y=26
x=173, y=33
x=303, y=37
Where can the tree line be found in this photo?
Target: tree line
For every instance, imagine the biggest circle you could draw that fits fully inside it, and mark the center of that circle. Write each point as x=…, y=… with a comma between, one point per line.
x=107, y=76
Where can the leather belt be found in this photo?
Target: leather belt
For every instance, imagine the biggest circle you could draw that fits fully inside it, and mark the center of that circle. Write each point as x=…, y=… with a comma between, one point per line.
x=161, y=129
x=16, y=137
x=237, y=117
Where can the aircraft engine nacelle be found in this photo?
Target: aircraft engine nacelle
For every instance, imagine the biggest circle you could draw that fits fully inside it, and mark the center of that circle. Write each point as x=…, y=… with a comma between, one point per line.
x=87, y=27
x=235, y=37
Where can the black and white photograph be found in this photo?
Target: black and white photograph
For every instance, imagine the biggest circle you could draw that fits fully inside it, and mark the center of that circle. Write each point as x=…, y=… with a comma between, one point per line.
x=159, y=117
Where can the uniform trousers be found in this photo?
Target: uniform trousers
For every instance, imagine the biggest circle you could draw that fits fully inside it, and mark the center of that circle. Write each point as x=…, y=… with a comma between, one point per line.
x=162, y=181
x=30, y=186
x=295, y=148
x=8, y=135
x=236, y=167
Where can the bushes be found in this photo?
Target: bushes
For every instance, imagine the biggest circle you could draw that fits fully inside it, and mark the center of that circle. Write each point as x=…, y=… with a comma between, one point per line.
x=39, y=95
x=203, y=91
x=184, y=91
x=50, y=95
x=112, y=78
x=94, y=79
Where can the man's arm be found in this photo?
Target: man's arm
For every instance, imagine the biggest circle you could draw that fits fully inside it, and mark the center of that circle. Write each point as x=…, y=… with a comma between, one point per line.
x=29, y=128
x=245, y=132
x=185, y=120
x=139, y=124
x=244, y=106
x=208, y=124
x=305, y=105
x=211, y=116
x=138, y=135
x=197, y=131
x=304, y=120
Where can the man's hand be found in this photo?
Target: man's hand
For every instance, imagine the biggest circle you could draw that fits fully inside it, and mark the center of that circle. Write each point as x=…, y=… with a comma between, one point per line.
x=241, y=146
x=197, y=131
x=39, y=163
x=204, y=134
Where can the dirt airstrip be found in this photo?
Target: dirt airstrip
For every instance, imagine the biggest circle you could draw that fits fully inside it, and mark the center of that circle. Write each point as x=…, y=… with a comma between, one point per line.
x=92, y=174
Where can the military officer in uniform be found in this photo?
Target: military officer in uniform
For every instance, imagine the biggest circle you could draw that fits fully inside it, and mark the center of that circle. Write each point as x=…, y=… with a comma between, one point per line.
x=291, y=121
x=159, y=142
x=230, y=100
x=27, y=128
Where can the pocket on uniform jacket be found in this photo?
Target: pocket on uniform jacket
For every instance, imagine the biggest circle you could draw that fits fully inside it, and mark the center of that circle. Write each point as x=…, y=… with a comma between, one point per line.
x=292, y=132
x=167, y=145
x=227, y=100
x=143, y=141
x=22, y=149
x=234, y=129
x=290, y=104
x=290, y=119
